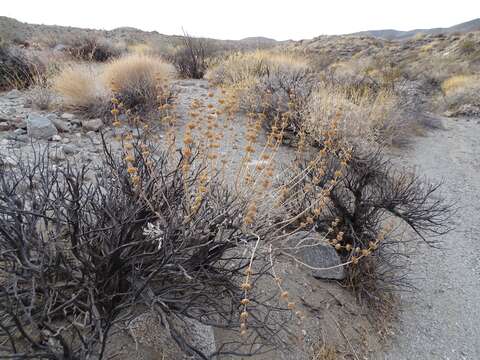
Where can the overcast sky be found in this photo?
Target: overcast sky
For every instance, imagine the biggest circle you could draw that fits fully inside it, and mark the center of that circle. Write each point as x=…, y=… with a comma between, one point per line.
x=224, y=19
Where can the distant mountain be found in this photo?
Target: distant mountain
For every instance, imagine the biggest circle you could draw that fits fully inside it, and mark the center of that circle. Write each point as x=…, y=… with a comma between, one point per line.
x=259, y=40
x=390, y=34
x=20, y=32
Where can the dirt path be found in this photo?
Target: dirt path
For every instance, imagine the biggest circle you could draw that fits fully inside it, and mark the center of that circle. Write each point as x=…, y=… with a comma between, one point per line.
x=442, y=319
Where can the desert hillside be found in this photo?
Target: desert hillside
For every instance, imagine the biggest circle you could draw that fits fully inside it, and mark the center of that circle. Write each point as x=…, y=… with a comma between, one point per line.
x=469, y=26
x=173, y=197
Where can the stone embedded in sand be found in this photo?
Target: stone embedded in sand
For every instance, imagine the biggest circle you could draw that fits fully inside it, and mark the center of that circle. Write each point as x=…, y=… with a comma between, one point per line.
x=13, y=94
x=311, y=248
x=92, y=125
x=61, y=125
x=70, y=149
x=67, y=116
x=39, y=127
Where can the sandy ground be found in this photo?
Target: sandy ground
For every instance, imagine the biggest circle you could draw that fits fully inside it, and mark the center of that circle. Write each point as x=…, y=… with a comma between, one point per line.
x=441, y=320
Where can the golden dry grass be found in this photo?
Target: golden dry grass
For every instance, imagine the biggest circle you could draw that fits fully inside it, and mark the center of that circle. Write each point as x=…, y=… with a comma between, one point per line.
x=457, y=82
x=324, y=352
x=136, y=71
x=365, y=116
x=137, y=79
x=139, y=48
x=461, y=89
x=243, y=69
x=79, y=87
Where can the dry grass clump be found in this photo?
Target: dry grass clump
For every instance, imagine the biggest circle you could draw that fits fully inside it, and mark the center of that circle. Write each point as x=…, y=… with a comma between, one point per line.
x=324, y=352
x=138, y=80
x=373, y=72
x=80, y=90
x=40, y=95
x=241, y=69
x=17, y=69
x=365, y=116
x=461, y=89
x=91, y=48
x=275, y=85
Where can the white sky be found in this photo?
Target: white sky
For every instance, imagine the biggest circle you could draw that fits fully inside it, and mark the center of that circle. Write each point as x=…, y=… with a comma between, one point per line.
x=278, y=19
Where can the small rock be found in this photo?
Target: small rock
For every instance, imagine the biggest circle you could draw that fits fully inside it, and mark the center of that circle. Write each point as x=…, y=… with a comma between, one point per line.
x=19, y=131
x=4, y=126
x=60, y=47
x=56, y=138
x=10, y=111
x=39, y=127
x=92, y=135
x=257, y=163
x=17, y=137
x=61, y=125
x=65, y=140
x=92, y=125
x=7, y=161
x=57, y=155
x=70, y=149
x=13, y=94
x=67, y=116
x=317, y=254
x=20, y=124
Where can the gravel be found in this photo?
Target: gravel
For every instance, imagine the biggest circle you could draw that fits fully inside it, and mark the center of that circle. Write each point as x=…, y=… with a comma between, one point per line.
x=441, y=320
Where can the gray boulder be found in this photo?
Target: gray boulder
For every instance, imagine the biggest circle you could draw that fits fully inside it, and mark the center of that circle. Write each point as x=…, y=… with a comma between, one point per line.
x=311, y=248
x=40, y=127
x=4, y=126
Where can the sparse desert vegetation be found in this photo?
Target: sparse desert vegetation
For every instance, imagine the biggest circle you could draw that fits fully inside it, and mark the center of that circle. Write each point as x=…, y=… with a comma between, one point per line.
x=193, y=198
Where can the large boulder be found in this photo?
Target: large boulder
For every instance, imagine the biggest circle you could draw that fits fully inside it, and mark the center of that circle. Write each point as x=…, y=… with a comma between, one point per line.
x=312, y=249
x=40, y=127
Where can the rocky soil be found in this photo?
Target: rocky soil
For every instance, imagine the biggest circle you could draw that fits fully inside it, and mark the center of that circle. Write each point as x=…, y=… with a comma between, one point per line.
x=332, y=316
x=439, y=321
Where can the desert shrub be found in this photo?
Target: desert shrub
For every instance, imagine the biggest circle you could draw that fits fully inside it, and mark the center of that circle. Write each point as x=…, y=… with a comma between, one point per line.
x=366, y=116
x=366, y=203
x=90, y=48
x=17, y=70
x=276, y=86
x=80, y=90
x=138, y=81
x=40, y=95
x=191, y=58
x=371, y=73
x=461, y=89
x=468, y=46
x=79, y=256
